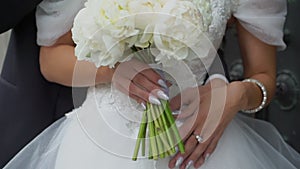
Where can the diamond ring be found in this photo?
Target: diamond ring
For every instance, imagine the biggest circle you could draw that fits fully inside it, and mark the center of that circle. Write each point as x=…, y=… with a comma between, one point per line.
x=199, y=138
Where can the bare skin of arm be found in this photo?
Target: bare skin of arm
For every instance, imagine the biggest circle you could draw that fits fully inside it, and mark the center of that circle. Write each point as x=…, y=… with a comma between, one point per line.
x=58, y=64
x=259, y=61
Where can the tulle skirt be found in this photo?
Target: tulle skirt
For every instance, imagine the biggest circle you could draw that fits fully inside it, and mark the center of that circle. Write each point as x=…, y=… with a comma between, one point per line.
x=85, y=139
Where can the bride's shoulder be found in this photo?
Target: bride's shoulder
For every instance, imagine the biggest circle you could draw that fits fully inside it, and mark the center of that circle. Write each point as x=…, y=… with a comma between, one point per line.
x=263, y=6
x=263, y=18
x=54, y=18
x=54, y=6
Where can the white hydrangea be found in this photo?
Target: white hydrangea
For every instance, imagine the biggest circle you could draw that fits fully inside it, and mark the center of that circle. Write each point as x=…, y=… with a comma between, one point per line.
x=185, y=31
x=105, y=29
x=100, y=31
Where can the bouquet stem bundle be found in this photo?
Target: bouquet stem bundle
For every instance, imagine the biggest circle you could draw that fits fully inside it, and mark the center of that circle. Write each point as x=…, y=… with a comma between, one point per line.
x=162, y=131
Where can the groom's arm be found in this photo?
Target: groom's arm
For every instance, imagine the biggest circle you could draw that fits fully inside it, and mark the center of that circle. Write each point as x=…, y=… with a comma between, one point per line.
x=13, y=11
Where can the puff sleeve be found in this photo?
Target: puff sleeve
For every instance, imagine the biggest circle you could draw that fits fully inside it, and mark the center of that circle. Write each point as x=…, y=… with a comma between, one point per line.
x=54, y=18
x=264, y=19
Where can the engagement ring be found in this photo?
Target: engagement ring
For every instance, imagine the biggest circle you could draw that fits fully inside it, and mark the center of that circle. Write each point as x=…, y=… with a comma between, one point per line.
x=199, y=138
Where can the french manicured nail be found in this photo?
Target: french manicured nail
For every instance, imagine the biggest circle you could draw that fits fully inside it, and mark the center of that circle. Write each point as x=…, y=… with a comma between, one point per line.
x=162, y=83
x=179, y=161
x=154, y=100
x=162, y=95
x=189, y=164
x=176, y=112
x=207, y=157
x=143, y=106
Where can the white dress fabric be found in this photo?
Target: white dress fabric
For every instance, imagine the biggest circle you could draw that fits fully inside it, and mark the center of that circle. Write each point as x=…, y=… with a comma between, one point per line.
x=101, y=133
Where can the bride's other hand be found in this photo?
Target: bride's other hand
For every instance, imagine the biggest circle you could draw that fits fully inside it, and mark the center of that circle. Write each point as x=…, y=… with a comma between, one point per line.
x=206, y=116
x=140, y=82
x=206, y=121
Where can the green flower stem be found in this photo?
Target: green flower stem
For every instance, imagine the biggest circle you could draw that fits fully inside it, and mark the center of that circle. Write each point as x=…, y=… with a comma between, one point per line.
x=157, y=130
x=162, y=130
x=170, y=118
x=164, y=133
x=144, y=145
x=150, y=152
x=167, y=146
x=167, y=129
x=152, y=133
x=159, y=114
x=141, y=135
x=159, y=144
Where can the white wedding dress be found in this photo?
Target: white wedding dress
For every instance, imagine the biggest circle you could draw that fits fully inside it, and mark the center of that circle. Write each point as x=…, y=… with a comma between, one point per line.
x=101, y=133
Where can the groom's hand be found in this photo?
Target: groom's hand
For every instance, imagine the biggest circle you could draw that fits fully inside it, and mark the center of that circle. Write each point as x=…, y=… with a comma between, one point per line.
x=139, y=81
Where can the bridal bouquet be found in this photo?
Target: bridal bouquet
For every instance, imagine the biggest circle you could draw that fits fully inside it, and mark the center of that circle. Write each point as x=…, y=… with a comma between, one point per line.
x=105, y=29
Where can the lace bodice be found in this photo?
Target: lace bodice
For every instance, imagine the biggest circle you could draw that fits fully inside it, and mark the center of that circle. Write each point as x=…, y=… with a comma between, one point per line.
x=263, y=18
x=264, y=23
x=215, y=14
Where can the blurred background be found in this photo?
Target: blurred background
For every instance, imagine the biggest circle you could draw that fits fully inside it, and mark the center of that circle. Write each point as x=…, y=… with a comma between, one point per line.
x=284, y=111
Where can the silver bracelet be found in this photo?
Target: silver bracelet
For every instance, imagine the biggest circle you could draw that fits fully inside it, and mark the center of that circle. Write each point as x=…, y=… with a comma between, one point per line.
x=264, y=99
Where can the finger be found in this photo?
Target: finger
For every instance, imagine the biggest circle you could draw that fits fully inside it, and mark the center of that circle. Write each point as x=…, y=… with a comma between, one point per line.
x=146, y=70
x=186, y=129
x=185, y=98
x=141, y=93
x=199, y=162
x=196, y=154
x=205, y=157
x=125, y=91
x=189, y=110
x=211, y=147
x=178, y=159
x=133, y=67
x=175, y=102
x=138, y=99
x=151, y=75
x=144, y=83
x=196, y=119
x=189, y=95
x=169, y=84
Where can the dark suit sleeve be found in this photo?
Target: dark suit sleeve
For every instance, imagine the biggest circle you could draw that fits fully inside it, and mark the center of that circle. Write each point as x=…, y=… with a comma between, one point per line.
x=13, y=11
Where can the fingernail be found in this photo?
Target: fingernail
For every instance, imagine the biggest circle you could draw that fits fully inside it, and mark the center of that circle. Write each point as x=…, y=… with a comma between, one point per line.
x=162, y=83
x=179, y=161
x=162, y=95
x=143, y=106
x=176, y=149
x=176, y=112
x=206, y=157
x=154, y=100
x=189, y=164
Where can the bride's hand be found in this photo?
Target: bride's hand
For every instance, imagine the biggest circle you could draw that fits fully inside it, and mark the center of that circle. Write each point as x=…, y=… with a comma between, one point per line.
x=206, y=116
x=139, y=81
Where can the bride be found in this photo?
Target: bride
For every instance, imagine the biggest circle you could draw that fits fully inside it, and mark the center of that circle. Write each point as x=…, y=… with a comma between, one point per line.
x=102, y=132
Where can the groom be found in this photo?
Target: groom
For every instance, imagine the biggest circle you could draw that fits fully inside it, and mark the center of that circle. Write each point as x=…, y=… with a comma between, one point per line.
x=28, y=103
